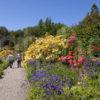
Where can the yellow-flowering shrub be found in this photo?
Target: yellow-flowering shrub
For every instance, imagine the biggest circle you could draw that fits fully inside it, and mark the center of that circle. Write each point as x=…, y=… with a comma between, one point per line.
x=5, y=52
x=44, y=48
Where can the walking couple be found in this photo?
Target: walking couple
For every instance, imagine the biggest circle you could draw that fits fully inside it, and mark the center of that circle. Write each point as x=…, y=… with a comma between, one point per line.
x=11, y=58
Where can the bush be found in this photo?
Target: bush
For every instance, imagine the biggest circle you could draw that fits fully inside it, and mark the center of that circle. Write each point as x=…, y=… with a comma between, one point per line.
x=87, y=90
x=45, y=48
x=3, y=66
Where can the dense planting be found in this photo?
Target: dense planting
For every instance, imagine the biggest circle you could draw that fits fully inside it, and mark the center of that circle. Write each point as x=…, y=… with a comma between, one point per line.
x=65, y=77
x=3, y=62
x=62, y=63
x=5, y=52
x=45, y=49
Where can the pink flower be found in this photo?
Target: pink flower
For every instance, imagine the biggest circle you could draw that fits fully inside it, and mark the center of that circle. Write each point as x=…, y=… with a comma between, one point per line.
x=71, y=39
x=81, y=60
x=94, y=59
x=70, y=62
x=63, y=58
x=76, y=64
x=70, y=57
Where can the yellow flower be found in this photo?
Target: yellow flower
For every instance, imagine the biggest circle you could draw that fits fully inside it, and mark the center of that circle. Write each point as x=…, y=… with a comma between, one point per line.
x=78, y=83
x=44, y=48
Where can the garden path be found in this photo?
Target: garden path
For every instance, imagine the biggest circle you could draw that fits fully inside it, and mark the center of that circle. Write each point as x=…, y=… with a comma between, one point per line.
x=13, y=85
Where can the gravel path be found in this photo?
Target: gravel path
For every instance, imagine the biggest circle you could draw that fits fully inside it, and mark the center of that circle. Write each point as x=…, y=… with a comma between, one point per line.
x=13, y=85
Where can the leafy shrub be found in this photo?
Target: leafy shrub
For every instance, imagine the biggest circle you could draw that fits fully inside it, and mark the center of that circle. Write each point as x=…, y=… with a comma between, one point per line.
x=45, y=48
x=89, y=90
x=5, y=52
x=3, y=66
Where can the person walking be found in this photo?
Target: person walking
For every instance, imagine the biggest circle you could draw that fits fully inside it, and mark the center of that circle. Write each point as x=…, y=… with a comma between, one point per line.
x=19, y=59
x=10, y=59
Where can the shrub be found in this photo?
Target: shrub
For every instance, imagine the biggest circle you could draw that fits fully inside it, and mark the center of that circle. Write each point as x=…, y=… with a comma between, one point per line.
x=3, y=66
x=45, y=49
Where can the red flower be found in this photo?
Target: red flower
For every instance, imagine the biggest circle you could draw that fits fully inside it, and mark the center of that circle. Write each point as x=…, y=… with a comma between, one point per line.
x=96, y=48
x=71, y=53
x=70, y=57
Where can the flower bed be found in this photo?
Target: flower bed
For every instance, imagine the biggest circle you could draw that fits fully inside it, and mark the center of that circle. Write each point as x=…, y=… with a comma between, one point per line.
x=61, y=72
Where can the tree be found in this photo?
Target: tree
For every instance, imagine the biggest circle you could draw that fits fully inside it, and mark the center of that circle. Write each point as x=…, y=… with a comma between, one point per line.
x=65, y=31
x=41, y=23
x=94, y=10
x=90, y=25
x=3, y=31
x=92, y=18
x=88, y=30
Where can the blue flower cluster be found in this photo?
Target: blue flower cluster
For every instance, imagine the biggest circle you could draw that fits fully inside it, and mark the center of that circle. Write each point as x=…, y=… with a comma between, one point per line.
x=90, y=63
x=53, y=85
x=90, y=67
x=33, y=63
x=40, y=74
x=97, y=63
x=51, y=89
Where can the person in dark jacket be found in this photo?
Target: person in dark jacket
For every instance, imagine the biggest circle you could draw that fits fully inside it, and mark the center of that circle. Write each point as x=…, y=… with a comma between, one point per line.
x=19, y=59
x=10, y=59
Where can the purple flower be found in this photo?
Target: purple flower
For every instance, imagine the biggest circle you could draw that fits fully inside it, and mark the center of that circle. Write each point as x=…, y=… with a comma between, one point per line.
x=40, y=74
x=51, y=88
x=69, y=84
x=88, y=63
x=60, y=92
x=48, y=92
x=54, y=84
x=31, y=63
x=97, y=63
x=55, y=78
x=90, y=67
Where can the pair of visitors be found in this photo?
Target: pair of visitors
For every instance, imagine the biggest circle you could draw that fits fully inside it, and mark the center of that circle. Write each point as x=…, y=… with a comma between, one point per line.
x=11, y=60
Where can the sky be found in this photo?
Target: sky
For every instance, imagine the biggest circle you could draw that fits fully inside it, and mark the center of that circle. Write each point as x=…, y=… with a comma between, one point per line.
x=18, y=14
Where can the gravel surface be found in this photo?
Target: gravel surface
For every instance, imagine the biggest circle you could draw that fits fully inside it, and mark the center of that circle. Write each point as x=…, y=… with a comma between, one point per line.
x=13, y=85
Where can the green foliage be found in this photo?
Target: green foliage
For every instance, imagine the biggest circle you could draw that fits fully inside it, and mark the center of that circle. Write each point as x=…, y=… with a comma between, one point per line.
x=3, y=66
x=88, y=30
x=35, y=93
x=3, y=32
x=30, y=72
x=65, y=31
x=88, y=89
x=42, y=28
x=90, y=25
x=64, y=71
